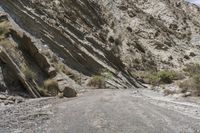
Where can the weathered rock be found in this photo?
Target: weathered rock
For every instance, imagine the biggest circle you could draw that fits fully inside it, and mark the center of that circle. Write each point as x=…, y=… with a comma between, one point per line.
x=3, y=97
x=16, y=69
x=67, y=86
x=69, y=92
x=7, y=102
x=11, y=98
x=19, y=99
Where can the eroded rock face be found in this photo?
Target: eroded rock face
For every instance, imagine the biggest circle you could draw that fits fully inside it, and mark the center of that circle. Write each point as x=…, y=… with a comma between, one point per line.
x=67, y=52
x=80, y=38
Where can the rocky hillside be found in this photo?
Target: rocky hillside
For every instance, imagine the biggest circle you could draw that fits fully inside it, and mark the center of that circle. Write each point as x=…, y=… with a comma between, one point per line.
x=76, y=44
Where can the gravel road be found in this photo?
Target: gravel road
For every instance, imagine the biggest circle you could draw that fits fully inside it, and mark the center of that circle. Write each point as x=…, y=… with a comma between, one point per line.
x=103, y=111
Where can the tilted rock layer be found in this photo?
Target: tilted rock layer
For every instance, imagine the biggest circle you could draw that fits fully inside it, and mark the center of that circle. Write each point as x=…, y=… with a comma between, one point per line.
x=84, y=37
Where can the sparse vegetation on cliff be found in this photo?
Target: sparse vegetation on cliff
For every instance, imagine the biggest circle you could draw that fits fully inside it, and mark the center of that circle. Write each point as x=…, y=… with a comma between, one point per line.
x=4, y=28
x=97, y=81
x=50, y=87
x=192, y=84
x=29, y=74
x=159, y=77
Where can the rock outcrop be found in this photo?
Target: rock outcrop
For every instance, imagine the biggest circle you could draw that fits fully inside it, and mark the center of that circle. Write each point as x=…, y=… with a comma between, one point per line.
x=72, y=41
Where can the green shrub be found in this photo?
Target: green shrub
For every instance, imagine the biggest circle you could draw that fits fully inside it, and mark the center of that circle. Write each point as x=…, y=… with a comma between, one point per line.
x=97, y=81
x=160, y=77
x=166, y=76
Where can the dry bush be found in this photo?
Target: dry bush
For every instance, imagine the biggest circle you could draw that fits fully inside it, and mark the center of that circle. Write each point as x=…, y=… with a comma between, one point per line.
x=61, y=68
x=29, y=74
x=4, y=28
x=192, y=69
x=106, y=74
x=97, y=81
x=43, y=91
x=51, y=87
x=192, y=85
x=160, y=77
x=6, y=44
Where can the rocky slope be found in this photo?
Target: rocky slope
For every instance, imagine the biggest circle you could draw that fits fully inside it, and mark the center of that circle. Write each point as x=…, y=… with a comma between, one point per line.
x=70, y=41
x=64, y=48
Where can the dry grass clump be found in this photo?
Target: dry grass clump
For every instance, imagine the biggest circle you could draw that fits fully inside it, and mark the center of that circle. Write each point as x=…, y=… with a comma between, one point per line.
x=162, y=77
x=59, y=67
x=192, y=69
x=159, y=77
x=5, y=43
x=191, y=85
x=62, y=68
x=29, y=74
x=106, y=74
x=50, y=87
x=4, y=28
x=43, y=91
x=97, y=81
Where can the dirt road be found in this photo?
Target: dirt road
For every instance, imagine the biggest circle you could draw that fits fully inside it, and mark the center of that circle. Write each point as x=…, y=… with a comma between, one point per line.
x=103, y=111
